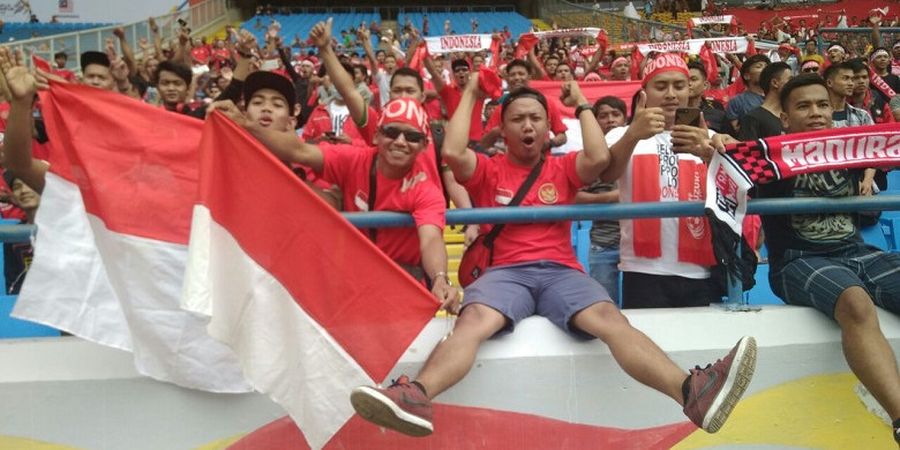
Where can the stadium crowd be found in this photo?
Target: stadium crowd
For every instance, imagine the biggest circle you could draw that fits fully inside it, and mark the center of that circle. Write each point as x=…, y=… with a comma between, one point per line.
x=407, y=126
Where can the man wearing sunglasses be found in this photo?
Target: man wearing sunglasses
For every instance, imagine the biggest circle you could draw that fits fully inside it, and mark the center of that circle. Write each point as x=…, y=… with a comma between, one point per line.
x=451, y=93
x=401, y=183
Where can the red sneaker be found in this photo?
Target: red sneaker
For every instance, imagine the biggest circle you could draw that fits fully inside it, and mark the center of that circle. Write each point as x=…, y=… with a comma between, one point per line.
x=401, y=407
x=716, y=389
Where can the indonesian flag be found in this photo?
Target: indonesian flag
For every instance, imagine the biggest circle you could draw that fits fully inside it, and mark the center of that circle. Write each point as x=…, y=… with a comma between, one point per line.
x=592, y=91
x=309, y=304
x=114, y=221
x=280, y=289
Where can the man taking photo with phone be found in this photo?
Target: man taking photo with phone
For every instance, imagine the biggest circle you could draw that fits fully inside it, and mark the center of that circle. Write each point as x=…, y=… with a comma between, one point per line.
x=665, y=262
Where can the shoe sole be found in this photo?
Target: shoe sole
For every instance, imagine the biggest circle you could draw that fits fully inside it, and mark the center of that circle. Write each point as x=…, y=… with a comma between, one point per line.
x=382, y=411
x=739, y=375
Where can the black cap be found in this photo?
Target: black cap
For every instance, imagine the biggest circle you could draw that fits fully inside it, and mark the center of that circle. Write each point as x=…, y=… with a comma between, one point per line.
x=459, y=63
x=99, y=58
x=269, y=80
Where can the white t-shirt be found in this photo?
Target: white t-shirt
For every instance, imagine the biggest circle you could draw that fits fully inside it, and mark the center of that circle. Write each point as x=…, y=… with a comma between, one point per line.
x=668, y=263
x=339, y=114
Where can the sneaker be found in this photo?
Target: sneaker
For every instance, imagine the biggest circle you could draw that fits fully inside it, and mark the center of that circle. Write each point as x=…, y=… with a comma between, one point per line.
x=401, y=407
x=716, y=389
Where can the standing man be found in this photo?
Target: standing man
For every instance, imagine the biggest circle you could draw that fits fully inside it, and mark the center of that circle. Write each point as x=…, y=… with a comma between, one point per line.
x=753, y=96
x=765, y=120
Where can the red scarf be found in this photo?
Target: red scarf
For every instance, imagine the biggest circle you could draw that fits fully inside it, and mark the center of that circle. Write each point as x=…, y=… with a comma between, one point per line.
x=693, y=232
x=881, y=85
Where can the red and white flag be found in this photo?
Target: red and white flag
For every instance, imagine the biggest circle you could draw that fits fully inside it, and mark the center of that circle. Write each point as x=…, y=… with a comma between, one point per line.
x=309, y=304
x=114, y=222
x=280, y=290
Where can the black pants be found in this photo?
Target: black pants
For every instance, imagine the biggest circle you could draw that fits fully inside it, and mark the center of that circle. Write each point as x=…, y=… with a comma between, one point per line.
x=641, y=290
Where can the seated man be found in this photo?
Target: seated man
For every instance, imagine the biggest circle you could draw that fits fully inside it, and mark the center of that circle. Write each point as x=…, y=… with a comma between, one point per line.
x=400, y=178
x=535, y=271
x=820, y=260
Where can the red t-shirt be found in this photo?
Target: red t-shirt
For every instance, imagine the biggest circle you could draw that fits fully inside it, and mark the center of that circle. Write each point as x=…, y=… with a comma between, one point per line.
x=200, y=54
x=320, y=122
x=348, y=166
x=451, y=94
x=556, y=124
x=494, y=184
x=433, y=106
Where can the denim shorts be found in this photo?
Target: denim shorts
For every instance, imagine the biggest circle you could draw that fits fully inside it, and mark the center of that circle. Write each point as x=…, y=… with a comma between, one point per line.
x=817, y=279
x=545, y=288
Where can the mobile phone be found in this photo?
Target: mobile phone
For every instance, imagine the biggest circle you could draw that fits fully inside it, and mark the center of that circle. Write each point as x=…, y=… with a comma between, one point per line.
x=687, y=116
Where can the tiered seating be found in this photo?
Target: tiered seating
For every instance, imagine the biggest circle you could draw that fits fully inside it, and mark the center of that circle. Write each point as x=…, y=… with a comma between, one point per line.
x=300, y=24
x=614, y=24
x=679, y=20
x=460, y=22
x=16, y=31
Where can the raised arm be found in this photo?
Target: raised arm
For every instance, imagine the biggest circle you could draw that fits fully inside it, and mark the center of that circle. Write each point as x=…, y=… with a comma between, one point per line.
x=456, y=153
x=539, y=72
x=21, y=87
x=343, y=81
x=127, y=51
x=591, y=161
x=437, y=78
x=157, y=39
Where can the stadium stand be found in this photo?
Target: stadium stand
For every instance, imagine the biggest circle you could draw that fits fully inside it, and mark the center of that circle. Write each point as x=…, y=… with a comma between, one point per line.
x=15, y=31
x=460, y=22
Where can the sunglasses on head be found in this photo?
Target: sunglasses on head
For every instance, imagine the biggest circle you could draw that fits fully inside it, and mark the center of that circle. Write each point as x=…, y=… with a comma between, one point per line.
x=411, y=136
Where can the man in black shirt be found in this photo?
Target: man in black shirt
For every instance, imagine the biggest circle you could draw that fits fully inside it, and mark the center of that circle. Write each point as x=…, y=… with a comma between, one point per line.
x=765, y=120
x=713, y=111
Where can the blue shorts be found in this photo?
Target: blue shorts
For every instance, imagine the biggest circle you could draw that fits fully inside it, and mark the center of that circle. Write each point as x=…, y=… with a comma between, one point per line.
x=545, y=288
x=817, y=279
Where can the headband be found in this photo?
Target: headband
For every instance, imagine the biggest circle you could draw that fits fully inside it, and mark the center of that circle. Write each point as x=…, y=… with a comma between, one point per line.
x=664, y=62
x=880, y=51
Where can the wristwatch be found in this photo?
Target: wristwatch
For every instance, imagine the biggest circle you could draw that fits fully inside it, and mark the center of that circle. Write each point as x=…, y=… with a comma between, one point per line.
x=583, y=107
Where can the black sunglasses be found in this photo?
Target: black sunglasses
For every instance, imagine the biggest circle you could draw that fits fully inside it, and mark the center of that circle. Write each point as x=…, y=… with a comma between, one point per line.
x=411, y=136
x=810, y=70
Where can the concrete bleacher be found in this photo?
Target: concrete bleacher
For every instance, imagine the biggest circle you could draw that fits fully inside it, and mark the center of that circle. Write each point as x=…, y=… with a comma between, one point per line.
x=16, y=31
x=460, y=22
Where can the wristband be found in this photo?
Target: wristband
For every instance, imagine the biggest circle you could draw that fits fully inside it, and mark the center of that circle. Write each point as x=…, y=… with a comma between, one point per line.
x=442, y=275
x=582, y=108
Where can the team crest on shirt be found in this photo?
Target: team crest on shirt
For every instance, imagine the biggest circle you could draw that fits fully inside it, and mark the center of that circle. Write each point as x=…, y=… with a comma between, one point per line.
x=548, y=193
x=503, y=196
x=361, y=200
x=409, y=182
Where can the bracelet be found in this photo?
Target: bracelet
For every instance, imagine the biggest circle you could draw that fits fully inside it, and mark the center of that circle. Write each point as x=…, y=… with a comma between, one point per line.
x=444, y=276
x=582, y=108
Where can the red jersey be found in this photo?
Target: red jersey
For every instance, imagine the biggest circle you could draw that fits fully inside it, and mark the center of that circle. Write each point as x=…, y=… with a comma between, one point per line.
x=321, y=121
x=494, y=184
x=348, y=166
x=451, y=94
x=200, y=55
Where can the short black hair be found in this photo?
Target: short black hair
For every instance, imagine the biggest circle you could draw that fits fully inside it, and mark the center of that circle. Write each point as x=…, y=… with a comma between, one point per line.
x=92, y=57
x=771, y=72
x=802, y=80
x=698, y=66
x=408, y=72
x=613, y=102
x=833, y=69
x=363, y=68
x=181, y=70
x=519, y=63
x=461, y=62
x=745, y=67
x=61, y=54
x=858, y=64
x=521, y=92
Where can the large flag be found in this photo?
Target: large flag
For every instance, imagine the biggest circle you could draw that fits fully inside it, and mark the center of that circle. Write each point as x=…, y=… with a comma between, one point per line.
x=307, y=306
x=114, y=223
x=308, y=303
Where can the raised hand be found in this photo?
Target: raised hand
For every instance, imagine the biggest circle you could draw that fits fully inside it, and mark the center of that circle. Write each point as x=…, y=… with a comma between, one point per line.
x=20, y=84
x=119, y=32
x=246, y=42
x=571, y=94
x=151, y=22
x=647, y=122
x=320, y=35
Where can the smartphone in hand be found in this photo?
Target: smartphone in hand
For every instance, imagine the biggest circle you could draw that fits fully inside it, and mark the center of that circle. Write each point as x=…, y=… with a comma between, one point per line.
x=687, y=116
